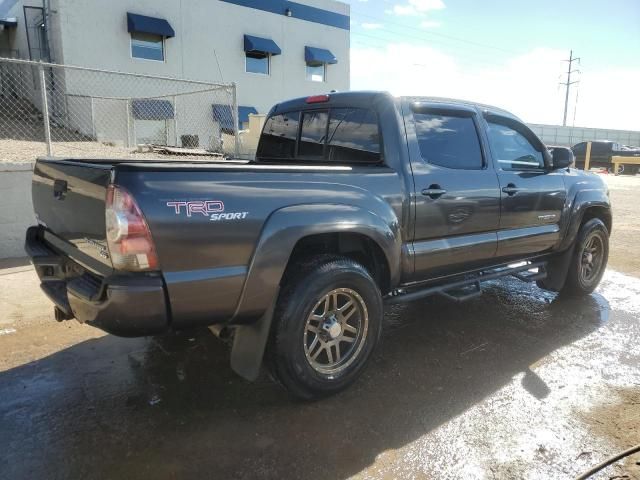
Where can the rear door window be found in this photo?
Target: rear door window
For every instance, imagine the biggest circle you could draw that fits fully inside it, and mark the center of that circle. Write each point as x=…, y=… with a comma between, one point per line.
x=279, y=135
x=448, y=141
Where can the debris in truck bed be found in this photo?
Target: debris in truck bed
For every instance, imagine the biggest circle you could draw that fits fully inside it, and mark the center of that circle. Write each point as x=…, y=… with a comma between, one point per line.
x=166, y=150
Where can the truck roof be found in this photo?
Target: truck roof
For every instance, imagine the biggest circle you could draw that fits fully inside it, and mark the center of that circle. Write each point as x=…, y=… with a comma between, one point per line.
x=367, y=98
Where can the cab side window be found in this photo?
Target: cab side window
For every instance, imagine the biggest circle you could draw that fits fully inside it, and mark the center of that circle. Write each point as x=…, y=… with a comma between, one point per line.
x=512, y=150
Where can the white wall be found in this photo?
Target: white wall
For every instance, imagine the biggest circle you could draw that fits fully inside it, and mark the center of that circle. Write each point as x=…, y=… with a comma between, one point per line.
x=94, y=33
x=16, y=212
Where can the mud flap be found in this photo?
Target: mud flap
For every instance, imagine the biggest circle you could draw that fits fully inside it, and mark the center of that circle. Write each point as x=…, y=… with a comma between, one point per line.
x=249, y=343
x=557, y=269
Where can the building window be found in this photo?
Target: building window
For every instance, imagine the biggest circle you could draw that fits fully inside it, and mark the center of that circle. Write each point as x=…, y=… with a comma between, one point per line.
x=257, y=62
x=316, y=73
x=148, y=46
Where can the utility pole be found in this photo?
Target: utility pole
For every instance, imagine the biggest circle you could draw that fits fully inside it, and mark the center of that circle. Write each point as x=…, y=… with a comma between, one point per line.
x=568, y=84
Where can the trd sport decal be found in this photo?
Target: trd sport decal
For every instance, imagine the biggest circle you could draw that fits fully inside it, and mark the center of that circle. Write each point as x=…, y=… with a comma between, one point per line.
x=214, y=209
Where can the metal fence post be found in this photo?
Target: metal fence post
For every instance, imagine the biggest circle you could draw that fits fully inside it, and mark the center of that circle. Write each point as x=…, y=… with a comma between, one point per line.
x=93, y=121
x=45, y=111
x=234, y=114
x=128, y=107
x=175, y=120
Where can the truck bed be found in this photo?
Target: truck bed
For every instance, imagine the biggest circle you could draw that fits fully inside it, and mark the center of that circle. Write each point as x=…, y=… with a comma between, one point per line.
x=205, y=255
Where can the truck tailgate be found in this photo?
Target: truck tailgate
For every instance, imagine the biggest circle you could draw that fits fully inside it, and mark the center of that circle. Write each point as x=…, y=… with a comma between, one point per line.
x=69, y=201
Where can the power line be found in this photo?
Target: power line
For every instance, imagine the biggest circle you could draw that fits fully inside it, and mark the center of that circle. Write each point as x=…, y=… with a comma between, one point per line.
x=383, y=41
x=568, y=84
x=484, y=58
x=450, y=37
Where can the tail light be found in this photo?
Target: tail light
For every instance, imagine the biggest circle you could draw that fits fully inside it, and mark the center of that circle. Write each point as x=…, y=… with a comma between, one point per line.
x=128, y=236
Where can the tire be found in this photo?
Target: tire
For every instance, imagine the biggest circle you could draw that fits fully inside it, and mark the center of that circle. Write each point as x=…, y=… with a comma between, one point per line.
x=582, y=280
x=303, y=350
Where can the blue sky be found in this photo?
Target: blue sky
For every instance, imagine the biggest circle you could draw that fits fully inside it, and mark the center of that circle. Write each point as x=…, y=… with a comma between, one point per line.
x=506, y=52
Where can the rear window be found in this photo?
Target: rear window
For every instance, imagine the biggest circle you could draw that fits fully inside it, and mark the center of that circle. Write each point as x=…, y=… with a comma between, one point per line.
x=353, y=136
x=313, y=135
x=340, y=135
x=279, y=134
x=448, y=141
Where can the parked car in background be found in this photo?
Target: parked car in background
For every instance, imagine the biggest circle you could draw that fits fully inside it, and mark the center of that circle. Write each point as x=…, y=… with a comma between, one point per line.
x=601, y=153
x=354, y=199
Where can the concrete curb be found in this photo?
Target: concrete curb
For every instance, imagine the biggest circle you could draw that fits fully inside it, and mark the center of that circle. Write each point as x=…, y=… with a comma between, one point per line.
x=16, y=167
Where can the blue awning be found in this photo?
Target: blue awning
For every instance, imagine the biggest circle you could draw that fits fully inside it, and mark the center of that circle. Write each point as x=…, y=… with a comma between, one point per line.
x=243, y=113
x=9, y=22
x=145, y=109
x=144, y=24
x=318, y=56
x=261, y=45
x=222, y=114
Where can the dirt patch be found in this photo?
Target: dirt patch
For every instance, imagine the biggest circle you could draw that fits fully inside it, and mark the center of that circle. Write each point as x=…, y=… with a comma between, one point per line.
x=623, y=253
x=617, y=420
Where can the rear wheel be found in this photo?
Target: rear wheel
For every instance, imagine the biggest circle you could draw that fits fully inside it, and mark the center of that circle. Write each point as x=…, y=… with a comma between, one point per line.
x=589, y=258
x=327, y=323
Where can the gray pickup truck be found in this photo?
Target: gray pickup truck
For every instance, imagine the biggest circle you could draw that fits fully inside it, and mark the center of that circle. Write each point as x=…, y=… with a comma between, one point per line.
x=353, y=200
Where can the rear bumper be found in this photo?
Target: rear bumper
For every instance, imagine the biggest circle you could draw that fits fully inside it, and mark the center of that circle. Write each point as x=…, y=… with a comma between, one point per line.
x=128, y=305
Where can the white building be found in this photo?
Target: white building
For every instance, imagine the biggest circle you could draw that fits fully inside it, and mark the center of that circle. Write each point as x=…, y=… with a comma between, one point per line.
x=272, y=49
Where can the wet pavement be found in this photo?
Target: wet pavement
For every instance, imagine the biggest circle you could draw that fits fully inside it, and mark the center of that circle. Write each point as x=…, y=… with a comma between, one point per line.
x=515, y=384
x=518, y=383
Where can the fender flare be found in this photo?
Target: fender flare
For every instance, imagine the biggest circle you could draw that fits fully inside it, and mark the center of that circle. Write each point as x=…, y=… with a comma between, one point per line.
x=285, y=227
x=583, y=200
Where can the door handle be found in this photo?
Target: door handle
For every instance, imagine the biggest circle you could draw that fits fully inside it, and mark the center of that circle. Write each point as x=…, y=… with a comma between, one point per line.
x=510, y=189
x=434, y=191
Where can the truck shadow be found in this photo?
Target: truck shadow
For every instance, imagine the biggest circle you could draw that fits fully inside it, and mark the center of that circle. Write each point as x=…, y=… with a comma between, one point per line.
x=170, y=407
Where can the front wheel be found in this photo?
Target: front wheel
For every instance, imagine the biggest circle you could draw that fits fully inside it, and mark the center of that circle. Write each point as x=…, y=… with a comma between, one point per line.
x=327, y=322
x=589, y=258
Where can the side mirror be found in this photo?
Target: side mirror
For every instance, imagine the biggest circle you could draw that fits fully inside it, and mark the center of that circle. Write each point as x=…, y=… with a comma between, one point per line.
x=561, y=157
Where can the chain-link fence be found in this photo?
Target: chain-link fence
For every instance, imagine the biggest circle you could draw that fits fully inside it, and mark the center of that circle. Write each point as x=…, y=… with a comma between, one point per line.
x=66, y=111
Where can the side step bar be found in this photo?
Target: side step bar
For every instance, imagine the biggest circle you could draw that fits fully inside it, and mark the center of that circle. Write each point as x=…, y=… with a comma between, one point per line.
x=468, y=288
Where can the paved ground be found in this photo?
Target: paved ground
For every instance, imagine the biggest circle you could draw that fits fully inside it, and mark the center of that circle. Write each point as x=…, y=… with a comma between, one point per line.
x=515, y=384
